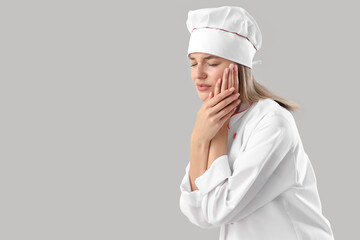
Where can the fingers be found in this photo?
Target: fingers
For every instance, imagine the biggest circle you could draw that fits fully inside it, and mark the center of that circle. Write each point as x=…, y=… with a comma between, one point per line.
x=219, y=97
x=229, y=109
x=217, y=87
x=225, y=103
x=223, y=100
x=228, y=80
x=227, y=116
x=231, y=78
x=236, y=78
x=224, y=84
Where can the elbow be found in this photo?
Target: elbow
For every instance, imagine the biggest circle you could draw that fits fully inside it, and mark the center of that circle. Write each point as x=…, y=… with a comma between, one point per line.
x=197, y=220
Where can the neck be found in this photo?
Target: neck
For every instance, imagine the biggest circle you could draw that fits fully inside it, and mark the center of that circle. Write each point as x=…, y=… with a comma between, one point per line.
x=242, y=106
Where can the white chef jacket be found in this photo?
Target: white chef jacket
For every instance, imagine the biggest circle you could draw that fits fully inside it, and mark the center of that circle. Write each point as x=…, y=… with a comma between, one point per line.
x=264, y=188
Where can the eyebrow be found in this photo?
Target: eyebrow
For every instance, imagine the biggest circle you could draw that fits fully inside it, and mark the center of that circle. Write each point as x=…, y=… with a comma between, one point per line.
x=209, y=57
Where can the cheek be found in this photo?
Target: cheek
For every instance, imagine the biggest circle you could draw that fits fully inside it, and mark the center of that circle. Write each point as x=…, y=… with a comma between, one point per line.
x=221, y=71
x=218, y=73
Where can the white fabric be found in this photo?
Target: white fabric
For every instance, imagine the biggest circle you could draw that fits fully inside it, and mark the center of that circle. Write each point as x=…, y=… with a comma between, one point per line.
x=264, y=188
x=228, y=32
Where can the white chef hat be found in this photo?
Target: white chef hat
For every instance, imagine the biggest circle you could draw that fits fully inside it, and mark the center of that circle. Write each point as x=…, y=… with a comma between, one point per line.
x=228, y=32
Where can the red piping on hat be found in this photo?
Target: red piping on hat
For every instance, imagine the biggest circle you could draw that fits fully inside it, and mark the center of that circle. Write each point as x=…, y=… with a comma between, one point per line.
x=229, y=32
x=239, y=112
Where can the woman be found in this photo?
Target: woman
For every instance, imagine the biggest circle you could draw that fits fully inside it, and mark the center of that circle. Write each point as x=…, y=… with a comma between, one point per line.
x=248, y=172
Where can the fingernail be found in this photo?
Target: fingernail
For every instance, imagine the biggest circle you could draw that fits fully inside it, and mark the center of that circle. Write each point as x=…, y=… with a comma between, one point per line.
x=227, y=70
x=231, y=89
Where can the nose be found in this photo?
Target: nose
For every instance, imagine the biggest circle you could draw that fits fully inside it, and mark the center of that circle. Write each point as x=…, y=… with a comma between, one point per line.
x=199, y=72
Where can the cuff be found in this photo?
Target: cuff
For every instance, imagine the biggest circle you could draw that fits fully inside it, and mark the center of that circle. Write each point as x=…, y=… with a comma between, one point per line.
x=192, y=198
x=216, y=174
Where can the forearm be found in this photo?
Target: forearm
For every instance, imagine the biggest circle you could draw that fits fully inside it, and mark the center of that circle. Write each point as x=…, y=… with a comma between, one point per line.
x=218, y=146
x=199, y=151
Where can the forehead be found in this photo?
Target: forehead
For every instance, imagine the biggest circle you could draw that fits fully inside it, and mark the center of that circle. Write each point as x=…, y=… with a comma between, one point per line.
x=193, y=56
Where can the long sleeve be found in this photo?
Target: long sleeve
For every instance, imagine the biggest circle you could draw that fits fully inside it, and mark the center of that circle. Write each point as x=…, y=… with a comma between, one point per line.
x=261, y=172
x=190, y=202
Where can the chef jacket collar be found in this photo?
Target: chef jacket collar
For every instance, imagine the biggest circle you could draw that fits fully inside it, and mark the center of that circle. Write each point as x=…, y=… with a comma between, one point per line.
x=237, y=115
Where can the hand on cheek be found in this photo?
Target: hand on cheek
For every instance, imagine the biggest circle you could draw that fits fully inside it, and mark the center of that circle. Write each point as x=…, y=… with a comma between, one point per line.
x=229, y=79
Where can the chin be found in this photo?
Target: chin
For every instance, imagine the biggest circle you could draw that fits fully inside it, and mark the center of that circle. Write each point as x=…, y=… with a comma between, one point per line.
x=203, y=95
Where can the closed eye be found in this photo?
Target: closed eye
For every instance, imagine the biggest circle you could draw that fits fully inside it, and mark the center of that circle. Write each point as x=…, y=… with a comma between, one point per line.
x=212, y=65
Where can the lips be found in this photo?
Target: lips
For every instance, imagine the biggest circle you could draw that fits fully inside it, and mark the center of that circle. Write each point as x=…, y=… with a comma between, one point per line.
x=203, y=87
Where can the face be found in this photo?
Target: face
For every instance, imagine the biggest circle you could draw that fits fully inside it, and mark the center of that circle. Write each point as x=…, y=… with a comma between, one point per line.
x=206, y=69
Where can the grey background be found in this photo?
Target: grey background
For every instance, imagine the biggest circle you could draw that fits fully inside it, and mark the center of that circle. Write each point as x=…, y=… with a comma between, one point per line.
x=97, y=108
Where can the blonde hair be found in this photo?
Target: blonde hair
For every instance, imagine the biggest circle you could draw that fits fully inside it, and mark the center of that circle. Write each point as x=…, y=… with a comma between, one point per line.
x=252, y=91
